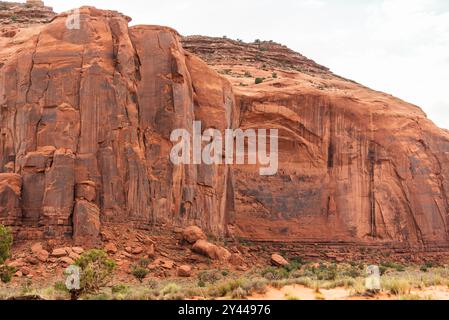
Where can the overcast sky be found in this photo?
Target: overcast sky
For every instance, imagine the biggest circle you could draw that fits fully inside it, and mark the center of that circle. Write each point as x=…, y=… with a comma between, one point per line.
x=396, y=46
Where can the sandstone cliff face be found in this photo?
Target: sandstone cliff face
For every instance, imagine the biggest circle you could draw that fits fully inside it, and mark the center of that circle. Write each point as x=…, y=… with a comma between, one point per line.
x=355, y=165
x=86, y=117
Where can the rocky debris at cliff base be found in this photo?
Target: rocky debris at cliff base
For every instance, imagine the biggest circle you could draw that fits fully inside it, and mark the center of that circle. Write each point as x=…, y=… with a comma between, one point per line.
x=184, y=271
x=278, y=261
x=59, y=252
x=193, y=234
x=110, y=248
x=210, y=250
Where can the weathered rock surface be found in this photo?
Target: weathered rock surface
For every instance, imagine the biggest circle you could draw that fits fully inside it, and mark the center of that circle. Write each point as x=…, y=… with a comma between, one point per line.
x=278, y=260
x=184, y=271
x=86, y=117
x=211, y=250
x=356, y=165
x=23, y=14
x=192, y=234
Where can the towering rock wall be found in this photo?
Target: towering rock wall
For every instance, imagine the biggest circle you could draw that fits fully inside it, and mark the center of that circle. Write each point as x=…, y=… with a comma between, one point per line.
x=86, y=117
x=356, y=165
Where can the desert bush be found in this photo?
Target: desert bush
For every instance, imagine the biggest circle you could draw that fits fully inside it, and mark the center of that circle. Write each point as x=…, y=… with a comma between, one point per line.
x=139, y=272
x=293, y=266
x=60, y=286
x=319, y=296
x=6, y=273
x=352, y=271
x=272, y=273
x=96, y=270
x=239, y=293
x=396, y=286
x=322, y=272
x=119, y=289
x=225, y=288
x=171, y=289
x=255, y=285
x=259, y=80
x=274, y=75
x=210, y=276
x=395, y=266
x=6, y=240
x=248, y=74
x=153, y=284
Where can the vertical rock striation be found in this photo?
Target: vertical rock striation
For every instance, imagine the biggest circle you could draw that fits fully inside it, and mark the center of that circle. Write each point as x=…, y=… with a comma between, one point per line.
x=86, y=120
x=86, y=116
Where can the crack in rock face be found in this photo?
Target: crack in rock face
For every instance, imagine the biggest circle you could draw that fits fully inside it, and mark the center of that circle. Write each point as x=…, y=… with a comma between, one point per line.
x=86, y=116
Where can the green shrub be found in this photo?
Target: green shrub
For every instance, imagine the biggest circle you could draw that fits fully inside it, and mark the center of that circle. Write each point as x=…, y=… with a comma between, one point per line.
x=294, y=265
x=259, y=80
x=248, y=74
x=210, y=276
x=171, y=289
x=96, y=270
x=239, y=293
x=272, y=273
x=201, y=284
x=322, y=272
x=6, y=240
x=60, y=286
x=274, y=75
x=396, y=286
x=139, y=272
x=119, y=288
x=6, y=273
x=391, y=265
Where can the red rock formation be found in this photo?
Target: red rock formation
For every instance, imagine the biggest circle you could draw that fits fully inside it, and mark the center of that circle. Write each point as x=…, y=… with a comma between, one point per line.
x=86, y=121
x=355, y=165
x=86, y=117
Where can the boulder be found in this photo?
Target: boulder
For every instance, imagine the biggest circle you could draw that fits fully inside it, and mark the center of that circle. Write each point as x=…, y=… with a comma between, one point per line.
x=184, y=271
x=211, y=250
x=78, y=250
x=66, y=261
x=42, y=255
x=278, y=261
x=151, y=251
x=59, y=252
x=193, y=234
x=110, y=248
x=137, y=250
x=74, y=256
x=37, y=247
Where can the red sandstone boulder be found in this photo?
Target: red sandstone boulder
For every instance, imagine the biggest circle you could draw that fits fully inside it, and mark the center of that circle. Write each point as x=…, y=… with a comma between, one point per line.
x=110, y=248
x=211, y=250
x=78, y=250
x=42, y=255
x=59, y=252
x=193, y=234
x=184, y=271
x=66, y=261
x=278, y=261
